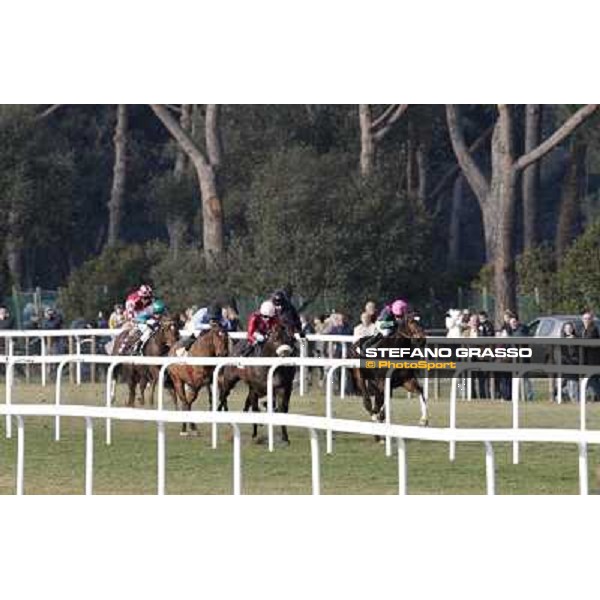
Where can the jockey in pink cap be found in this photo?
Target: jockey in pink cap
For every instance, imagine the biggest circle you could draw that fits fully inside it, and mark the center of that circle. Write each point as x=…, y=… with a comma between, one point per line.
x=386, y=321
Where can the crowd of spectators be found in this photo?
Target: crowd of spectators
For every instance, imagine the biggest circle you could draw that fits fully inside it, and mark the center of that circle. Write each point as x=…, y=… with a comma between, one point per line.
x=471, y=324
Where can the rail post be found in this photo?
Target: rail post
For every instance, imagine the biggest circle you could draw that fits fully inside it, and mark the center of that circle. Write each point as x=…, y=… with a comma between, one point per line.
x=343, y=372
x=161, y=458
x=57, y=394
x=10, y=365
x=402, y=468
x=78, y=354
x=302, y=370
x=387, y=403
x=43, y=354
x=583, y=469
x=490, y=474
x=515, y=416
x=316, y=462
x=110, y=387
x=89, y=456
x=20, y=454
x=237, y=460
x=329, y=406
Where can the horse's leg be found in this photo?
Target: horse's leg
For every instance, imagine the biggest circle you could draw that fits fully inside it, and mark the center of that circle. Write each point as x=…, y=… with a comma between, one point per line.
x=113, y=391
x=143, y=384
x=133, y=381
x=190, y=400
x=153, y=377
x=252, y=400
x=412, y=385
x=180, y=394
x=363, y=388
x=227, y=383
x=285, y=396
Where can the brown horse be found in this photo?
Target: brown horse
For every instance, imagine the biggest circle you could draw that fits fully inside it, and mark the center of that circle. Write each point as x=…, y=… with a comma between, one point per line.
x=279, y=343
x=371, y=382
x=165, y=336
x=188, y=380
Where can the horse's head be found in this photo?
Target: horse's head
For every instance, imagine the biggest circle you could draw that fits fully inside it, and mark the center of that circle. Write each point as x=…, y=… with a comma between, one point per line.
x=280, y=342
x=219, y=339
x=167, y=333
x=410, y=327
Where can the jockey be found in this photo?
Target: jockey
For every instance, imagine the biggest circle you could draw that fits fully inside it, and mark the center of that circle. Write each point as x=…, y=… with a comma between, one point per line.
x=138, y=301
x=146, y=321
x=390, y=315
x=205, y=317
x=260, y=324
x=286, y=311
x=202, y=320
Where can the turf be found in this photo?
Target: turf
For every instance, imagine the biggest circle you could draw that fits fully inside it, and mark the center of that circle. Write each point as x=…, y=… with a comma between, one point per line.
x=358, y=465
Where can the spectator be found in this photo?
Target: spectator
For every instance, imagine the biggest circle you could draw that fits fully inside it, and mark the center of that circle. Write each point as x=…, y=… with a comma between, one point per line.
x=366, y=327
x=6, y=322
x=231, y=317
x=570, y=356
x=471, y=328
x=117, y=317
x=505, y=326
x=53, y=320
x=518, y=329
x=371, y=311
x=590, y=355
x=486, y=329
x=319, y=347
x=101, y=322
x=307, y=326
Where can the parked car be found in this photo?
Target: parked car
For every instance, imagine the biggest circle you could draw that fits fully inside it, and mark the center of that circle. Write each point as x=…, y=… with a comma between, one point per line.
x=551, y=327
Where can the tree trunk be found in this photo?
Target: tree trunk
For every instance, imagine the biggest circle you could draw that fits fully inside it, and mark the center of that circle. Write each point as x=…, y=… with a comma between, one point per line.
x=501, y=208
x=177, y=228
x=454, y=229
x=212, y=211
x=569, y=201
x=115, y=204
x=531, y=175
x=367, y=144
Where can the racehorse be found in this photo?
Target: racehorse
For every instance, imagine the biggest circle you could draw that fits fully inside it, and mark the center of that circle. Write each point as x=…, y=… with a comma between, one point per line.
x=371, y=382
x=165, y=336
x=186, y=378
x=279, y=343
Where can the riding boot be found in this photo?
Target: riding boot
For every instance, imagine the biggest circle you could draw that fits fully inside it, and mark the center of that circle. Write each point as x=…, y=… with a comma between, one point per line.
x=188, y=342
x=371, y=341
x=247, y=351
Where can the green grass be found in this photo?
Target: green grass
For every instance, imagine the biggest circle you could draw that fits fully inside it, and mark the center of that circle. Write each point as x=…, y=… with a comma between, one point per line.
x=358, y=465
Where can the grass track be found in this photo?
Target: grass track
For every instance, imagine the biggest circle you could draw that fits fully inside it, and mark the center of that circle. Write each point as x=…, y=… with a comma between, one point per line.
x=358, y=466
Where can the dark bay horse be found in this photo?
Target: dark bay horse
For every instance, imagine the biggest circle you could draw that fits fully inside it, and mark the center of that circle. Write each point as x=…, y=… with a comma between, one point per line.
x=189, y=380
x=165, y=336
x=280, y=343
x=371, y=382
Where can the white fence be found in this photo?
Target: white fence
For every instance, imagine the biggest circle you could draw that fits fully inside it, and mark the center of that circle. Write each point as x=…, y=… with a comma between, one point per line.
x=328, y=423
x=401, y=433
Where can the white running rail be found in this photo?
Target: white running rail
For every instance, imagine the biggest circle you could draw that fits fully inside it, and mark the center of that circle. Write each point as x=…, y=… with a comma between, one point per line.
x=401, y=433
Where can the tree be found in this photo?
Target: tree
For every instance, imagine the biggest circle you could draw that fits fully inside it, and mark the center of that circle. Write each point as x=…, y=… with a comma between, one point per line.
x=206, y=166
x=496, y=194
x=372, y=131
x=117, y=193
x=531, y=175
